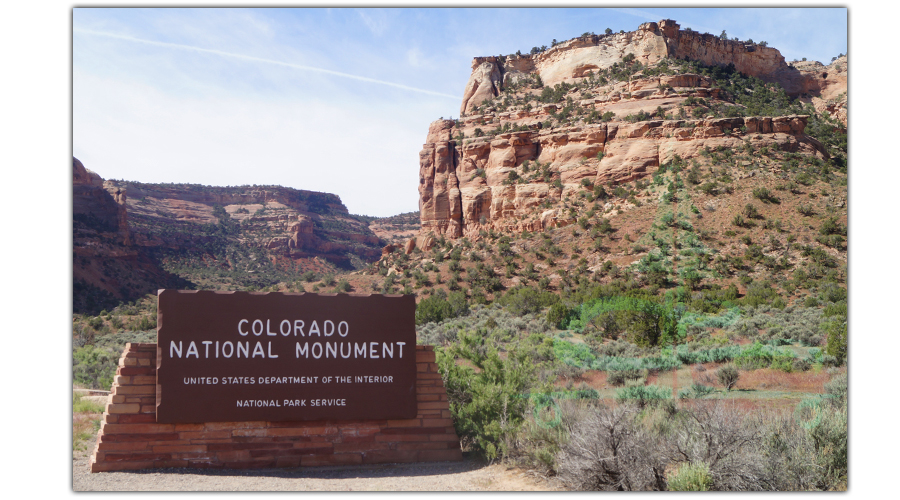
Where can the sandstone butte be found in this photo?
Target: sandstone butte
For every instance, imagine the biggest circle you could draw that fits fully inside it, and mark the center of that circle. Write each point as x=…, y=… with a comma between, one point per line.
x=461, y=182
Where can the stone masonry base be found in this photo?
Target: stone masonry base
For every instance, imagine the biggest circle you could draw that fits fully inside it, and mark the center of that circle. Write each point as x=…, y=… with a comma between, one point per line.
x=130, y=438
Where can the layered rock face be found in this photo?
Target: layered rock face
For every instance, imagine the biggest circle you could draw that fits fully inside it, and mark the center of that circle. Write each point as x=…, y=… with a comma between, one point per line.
x=107, y=267
x=652, y=42
x=464, y=188
x=479, y=172
x=831, y=81
x=293, y=223
x=120, y=230
x=99, y=204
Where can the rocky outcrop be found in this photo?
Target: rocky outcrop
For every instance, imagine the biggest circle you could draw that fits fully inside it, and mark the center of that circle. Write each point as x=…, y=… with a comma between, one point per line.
x=292, y=223
x=98, y=205
x=106, y=266
x=484, y=83
x=650, y=43
x=297, y=199
x=481, y=172
x=831, y=83
x=465, y=188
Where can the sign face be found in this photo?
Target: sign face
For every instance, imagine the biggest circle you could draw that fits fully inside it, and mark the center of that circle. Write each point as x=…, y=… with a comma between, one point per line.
x=241, y=356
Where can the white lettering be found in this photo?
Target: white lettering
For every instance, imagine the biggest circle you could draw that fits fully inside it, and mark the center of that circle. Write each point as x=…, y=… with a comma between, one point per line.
x=281, y=327
x=192, y=349
x=331, y=347
x=207, y=343
x=269, y=330
x=298, y=326
x=346, y=329
x=270, y=351
x=372, y=350
x=173, y=349
x=314, y=329
x=241, y=322
x=328, y=331
x=349, y=349
x=314, y=350
x=260, y=327
x=304, y=350
x=259, y=349
x=230, y=349
x=401, y=344
x=245, y=348
x=359, y=349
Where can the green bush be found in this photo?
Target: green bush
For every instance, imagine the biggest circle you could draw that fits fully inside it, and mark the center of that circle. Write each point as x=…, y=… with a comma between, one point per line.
x=81, y=405
x=619, y=377
x=492, y=320
x=557, y=314
x=758, y=356
x=644, y=395
x=526, y=300
x=714, y=355
x=440, y=307
x=825, y=423
x=485, y=403
x=94, y=367
x=806, y=210
x=832, y=226
x=645, y=321
x=691, y=477
x=764, y=195
x=836, y=390
x=701, y=390
x=836, y=331
x=697, y=322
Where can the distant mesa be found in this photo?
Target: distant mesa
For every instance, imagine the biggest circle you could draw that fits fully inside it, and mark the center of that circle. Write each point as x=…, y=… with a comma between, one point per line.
x=124, y=232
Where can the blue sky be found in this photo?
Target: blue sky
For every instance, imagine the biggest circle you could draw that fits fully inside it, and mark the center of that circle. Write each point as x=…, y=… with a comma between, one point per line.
x=336, y=100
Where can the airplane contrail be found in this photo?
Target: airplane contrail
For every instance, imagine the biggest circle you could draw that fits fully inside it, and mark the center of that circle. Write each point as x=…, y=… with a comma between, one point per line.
x=266, y=61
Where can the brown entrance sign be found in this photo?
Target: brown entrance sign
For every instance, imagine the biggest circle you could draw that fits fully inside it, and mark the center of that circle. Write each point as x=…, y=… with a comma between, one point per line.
x=239, y=356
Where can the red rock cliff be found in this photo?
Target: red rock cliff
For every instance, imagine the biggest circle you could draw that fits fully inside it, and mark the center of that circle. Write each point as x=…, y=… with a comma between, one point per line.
x=478, y=172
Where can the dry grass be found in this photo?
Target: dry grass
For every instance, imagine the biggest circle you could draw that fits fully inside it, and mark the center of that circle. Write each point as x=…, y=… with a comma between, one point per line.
x=86, y=416
x=749, y=406
x=593, y=378
x=768, y=379
x=706, y=376
x=84, y=425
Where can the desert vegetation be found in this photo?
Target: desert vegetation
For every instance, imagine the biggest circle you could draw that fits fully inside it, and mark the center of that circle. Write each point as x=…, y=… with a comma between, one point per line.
x=622, y=415
x=683, y=330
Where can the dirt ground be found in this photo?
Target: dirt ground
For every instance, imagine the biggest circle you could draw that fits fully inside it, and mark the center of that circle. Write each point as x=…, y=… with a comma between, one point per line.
x=468, y=475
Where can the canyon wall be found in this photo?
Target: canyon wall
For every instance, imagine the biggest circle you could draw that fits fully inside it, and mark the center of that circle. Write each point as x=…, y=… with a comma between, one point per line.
x=463, y=188
x=477, y=173
x=122, y=231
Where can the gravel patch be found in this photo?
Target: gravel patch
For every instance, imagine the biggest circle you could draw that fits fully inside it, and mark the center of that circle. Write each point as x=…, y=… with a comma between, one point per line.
x=471, y=474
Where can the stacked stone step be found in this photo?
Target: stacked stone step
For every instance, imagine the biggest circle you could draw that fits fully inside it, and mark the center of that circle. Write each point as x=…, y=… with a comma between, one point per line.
x=129, y=437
